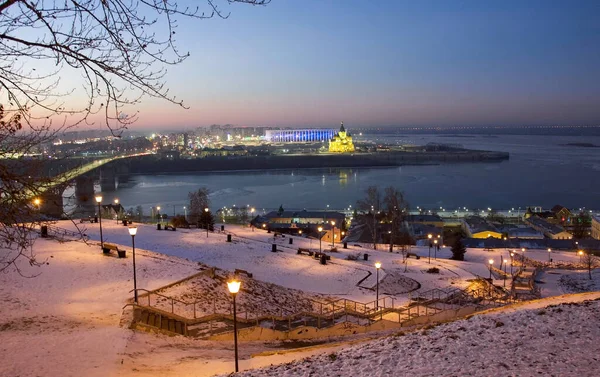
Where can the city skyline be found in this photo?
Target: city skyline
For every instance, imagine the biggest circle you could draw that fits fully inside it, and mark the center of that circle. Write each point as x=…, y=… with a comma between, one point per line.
x=394, y=63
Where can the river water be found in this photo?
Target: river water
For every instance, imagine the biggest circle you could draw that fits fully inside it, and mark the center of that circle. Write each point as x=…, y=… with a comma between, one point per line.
x=542, y=171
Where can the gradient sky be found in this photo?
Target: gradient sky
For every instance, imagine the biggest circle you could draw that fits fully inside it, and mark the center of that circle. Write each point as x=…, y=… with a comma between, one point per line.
x=305, y=63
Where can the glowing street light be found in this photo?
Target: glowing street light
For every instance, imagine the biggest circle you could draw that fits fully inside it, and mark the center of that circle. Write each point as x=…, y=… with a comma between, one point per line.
x=429, y=237
x=206, y=211
x=333, y=234
x=320, y=229
x=580, y=253
x=377, y=267
x=132, y=233
x=505, y=261
x=435, y=247
x=549, y=252
x=234, y=288
x=116, y=206
x=99, y=200
x=158, y=213
x=511, y=263
x=491, y=262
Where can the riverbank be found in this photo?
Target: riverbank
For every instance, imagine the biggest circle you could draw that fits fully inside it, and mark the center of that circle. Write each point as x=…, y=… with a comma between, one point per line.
x=148, y=165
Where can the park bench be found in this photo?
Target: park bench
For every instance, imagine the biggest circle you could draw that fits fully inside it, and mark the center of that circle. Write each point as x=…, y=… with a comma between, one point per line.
x=170, y=227
x=333, y=250
x=238, y=271
x=108, y=247
x=302, y=250
x=87, y=219
x=408, y=255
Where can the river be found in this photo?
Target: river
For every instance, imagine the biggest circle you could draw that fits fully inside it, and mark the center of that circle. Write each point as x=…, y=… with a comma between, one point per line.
x=542, y=171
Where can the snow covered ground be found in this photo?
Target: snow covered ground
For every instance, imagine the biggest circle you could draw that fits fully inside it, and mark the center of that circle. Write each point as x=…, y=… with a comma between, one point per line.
x=67, y=320
x=531, y=341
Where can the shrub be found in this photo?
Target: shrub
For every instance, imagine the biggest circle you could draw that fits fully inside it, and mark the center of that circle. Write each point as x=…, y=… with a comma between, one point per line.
x=433, y=270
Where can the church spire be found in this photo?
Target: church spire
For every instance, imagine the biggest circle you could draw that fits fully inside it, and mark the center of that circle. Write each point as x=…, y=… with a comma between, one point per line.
x=342, y=129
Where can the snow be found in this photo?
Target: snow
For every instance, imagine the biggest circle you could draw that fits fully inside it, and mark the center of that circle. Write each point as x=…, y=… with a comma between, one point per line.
x=68, y=318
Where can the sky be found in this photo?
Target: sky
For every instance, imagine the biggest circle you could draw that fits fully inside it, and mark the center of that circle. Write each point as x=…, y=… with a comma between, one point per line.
x=314, y=63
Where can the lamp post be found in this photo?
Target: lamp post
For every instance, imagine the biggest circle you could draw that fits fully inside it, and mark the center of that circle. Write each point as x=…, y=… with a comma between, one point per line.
x=234, y=288
x=429, y=237
x=580, y=253
x=549, y=251
x=158, y=213
x=185, y=213
x=320, y=229
x=491, y=262
x=435, y=247
x=391, y=245
x=505, y=261
x=300, y=232
x=99, y=200
x=132, y=233
x=511, y=262
x=333, y=234
x=116, y=206
x=206, y=211
x=377, y=267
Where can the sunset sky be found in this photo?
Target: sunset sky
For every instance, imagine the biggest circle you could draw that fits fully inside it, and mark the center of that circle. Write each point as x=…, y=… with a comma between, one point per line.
x=313, y=63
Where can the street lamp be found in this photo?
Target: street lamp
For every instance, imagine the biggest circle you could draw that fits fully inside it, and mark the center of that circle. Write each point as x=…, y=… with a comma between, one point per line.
x=234, y=288
x=320, y=229
x=116, y=206
x=549, y=251
x=429, y=236
x=158, y=213
x=491, y=262
x=333, y=234
x=132, y=233
x=99, y=200
x=185, y=213
x=435, y=247
x=377, y=267
x=505, y=261
x=206, y=211
x=391, y=245
x=300, y=232
x=511, y=263
x=580, y=253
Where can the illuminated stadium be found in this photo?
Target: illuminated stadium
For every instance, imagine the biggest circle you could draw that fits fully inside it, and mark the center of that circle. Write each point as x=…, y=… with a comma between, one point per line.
x=299, y=136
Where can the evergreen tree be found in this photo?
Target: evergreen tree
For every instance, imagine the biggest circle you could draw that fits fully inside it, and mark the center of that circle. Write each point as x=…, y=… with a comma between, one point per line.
x=207, y=218
x=458, y=250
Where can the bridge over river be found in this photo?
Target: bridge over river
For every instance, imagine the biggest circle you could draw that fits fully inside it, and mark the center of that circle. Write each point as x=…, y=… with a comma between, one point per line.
x=83, y=178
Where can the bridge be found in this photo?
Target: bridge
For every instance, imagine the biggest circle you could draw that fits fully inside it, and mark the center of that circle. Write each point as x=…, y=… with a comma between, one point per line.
x=50, y=193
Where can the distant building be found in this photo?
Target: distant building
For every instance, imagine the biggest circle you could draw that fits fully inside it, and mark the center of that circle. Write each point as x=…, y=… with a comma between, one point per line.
x=432, y=220
x=305, y=217
x=562, y=213
x=341, y=142
x=596, y=227
x=299, y=136
x=478, y=227
x=526, y=233
x=553, y=231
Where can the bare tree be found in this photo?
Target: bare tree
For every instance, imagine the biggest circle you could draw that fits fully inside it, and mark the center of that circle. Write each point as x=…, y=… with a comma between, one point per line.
x=397, y=209
x=371, y=205
x=114, y=54
x=590, y=262
x=198, y=202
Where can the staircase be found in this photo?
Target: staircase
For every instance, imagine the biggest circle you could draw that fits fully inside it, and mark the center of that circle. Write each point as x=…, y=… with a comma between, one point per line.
x=155, y=319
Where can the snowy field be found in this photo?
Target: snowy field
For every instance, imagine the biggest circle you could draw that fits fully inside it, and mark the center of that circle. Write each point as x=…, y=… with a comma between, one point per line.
x=65, y=318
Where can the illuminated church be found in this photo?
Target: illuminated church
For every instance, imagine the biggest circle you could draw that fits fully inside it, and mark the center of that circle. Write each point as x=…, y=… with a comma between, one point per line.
x=341, y=142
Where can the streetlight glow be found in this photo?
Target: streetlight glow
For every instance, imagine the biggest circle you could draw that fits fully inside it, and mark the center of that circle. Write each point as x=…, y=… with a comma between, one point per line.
x=233, y=286
x=378, y=265
x=98, y=199
x=132, y=230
